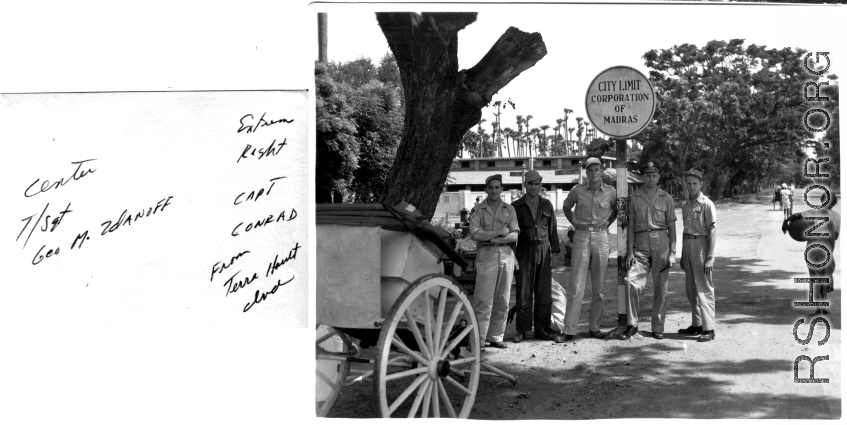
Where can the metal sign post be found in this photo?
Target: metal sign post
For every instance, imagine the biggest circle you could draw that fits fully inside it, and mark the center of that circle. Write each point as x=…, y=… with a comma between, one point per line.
x=620, y=102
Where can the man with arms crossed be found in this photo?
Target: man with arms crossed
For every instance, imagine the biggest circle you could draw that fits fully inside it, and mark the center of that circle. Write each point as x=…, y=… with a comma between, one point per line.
x=698, y=257
x=537, y=239
x=595, y=211
x=494, y=225
x=650, y=247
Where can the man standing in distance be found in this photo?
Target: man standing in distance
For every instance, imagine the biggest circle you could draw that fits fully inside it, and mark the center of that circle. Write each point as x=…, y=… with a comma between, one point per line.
x=650, y=247
x=698, y=257
x=595, y=211
x=538, y=237
x=494, y=225
x=787, y=201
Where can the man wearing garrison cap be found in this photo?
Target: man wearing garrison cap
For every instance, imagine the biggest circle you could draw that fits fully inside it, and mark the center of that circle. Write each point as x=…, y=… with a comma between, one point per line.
x=650, y=247
x=698, y=257
x=538, y=237
x=494, y=225
x=595, y=211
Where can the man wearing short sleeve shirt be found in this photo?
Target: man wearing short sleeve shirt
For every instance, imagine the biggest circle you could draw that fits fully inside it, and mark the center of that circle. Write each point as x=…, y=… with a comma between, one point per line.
x=698, y=250
x=595, y=211
x=651, y=248
x=494, y=225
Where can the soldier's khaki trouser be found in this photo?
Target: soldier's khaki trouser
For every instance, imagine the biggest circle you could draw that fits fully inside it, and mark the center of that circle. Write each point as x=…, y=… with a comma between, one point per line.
x=495, y=267
x=698, y=284
x=650, y=250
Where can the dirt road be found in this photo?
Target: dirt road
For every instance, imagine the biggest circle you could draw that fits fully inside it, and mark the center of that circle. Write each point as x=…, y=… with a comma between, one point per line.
x=747, y=372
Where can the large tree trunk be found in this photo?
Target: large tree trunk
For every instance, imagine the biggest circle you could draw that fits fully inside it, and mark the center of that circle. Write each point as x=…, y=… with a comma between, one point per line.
x=722, y=177
x=442, y=103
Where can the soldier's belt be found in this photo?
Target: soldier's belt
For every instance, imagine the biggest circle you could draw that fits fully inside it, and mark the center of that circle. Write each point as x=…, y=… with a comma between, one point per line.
x=494, y=244
x=593, y=229
x=652, y=230
x=535, y=242
x=690, y=236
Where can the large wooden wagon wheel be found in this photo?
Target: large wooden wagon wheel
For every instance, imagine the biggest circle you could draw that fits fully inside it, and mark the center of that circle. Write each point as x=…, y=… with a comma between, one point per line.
x=330, y=374
x=423, y=327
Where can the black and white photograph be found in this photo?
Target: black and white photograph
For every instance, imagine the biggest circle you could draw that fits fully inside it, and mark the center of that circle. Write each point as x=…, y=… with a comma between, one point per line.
x=578, y=211
x=264, y=212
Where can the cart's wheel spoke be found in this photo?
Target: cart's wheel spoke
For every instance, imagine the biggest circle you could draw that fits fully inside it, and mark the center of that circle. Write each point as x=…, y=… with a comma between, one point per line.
x=446, y=399
x=436, y=410
x=457, y=385
x=453, y=316
x=406, y=373
x=427, y=319
x=413, y=326
x=326, y=380
x=407, y=351
x=432, y=333
x=456, y=341
x=439, y=319
x=406, y=393
x=331, y=374
x=463, y=361
x=426, y=403
x=418, y=398
x=325, y=337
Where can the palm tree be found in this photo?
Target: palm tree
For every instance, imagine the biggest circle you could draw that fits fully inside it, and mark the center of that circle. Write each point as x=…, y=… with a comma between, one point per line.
x=559, y=122
x=518, y=141
x=568, y=139
x=496, y=148
x=544, y=131
x=507, y=133
x=481, y=132
x=528, y=140
x=580, y=131
x=495, y=126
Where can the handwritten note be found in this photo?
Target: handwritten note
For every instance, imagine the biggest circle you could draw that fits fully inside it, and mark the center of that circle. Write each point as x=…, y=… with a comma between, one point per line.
x=142, y=221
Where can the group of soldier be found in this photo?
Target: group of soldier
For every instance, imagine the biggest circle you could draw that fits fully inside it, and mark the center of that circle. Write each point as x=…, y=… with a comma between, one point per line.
x=521, y=239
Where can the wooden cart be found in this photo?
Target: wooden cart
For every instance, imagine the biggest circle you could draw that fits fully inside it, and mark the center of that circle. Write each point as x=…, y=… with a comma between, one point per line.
x=380, y=281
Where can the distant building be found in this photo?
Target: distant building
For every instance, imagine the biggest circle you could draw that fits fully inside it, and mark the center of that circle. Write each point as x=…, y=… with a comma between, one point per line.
x=466, y=181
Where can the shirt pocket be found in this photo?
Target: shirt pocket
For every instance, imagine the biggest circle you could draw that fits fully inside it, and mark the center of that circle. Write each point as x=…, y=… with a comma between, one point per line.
x=503, y=220
x=583, y=211
x=602, y=209
x=545, y=222
x=659, y=212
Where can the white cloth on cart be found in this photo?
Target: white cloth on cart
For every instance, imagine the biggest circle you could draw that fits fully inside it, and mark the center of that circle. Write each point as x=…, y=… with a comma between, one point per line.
x=557, y=319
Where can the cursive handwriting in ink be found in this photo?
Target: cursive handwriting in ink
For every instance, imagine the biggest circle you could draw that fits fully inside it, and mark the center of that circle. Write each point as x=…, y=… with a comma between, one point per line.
x=292, y=254
x=251, y=128
x=264, y=221
x=271, y=150
x=125, y=220
x=46, y=185
x=232, y=286
x=81, y=238
x=47, y=222
x=255, y=195
x=257, y=298
x=39, y=258
x=219, y=267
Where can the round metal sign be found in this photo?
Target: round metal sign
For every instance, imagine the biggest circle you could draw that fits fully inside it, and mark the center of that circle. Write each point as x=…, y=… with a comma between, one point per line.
x=620, y=102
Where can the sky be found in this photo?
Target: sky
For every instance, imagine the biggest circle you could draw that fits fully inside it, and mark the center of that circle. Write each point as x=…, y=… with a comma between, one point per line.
x=584, y=39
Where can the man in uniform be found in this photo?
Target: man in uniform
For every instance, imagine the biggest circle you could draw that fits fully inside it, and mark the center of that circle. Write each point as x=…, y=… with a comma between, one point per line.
x=650, y=247
x=494, y=225
x=538, y=237
x=698, y=260
x=595, y=211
